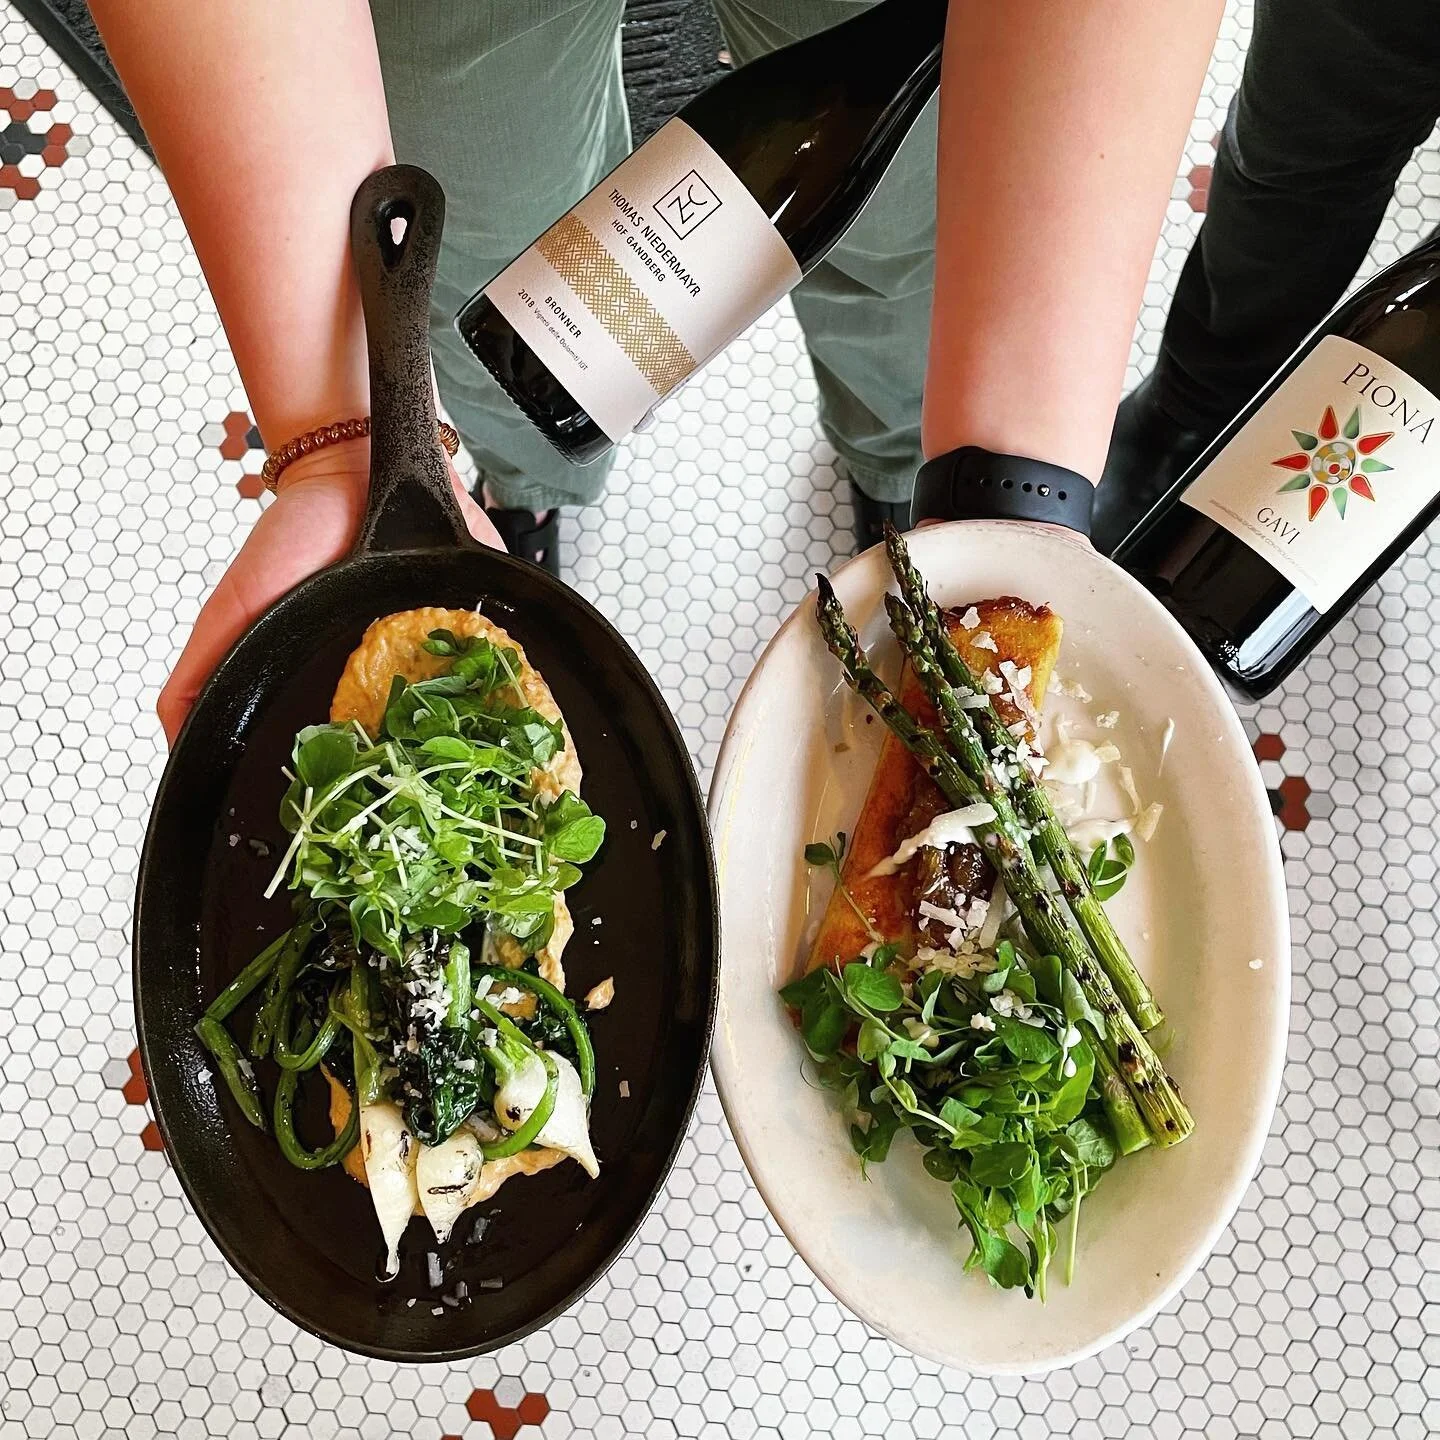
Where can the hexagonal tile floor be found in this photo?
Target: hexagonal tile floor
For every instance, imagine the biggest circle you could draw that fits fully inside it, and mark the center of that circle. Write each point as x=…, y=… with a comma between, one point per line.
x=127, y=463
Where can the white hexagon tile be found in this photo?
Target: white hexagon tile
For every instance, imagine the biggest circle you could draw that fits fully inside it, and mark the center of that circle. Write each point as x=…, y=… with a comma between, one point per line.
x=128, y=468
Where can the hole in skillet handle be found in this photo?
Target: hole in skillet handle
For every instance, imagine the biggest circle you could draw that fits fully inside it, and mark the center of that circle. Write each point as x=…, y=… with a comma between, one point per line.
x=396, y=220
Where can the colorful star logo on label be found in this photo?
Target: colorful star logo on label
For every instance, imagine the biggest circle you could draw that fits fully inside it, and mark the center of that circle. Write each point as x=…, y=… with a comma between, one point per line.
x=1334, y=464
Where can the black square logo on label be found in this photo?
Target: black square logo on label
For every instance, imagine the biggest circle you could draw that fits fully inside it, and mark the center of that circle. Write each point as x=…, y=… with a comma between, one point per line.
x=687, y=205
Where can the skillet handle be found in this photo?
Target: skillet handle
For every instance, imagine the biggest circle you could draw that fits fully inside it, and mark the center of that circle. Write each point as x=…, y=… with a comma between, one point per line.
x=412, y=504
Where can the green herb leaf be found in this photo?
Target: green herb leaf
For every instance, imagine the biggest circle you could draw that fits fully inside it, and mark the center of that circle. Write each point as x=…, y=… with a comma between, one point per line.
x=952, y=1112
x=1025, y=1042
x=872, y=1142
x=872, y=1041
x=572, y=831
x=1076, y=1005
x=799, y=993
x=870, y=988
x=1046, y=972
x=1000, y=1164
x=324, y=754
x=1093, y=1149
x=942, y=1164
x=1003, y=1262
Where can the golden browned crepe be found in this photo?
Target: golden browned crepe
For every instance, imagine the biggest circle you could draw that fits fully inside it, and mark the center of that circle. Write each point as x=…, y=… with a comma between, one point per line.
x=902, y=799
x=395, y=645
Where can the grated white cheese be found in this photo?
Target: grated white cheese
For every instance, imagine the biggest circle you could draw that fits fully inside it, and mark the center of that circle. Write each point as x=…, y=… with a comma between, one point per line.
x=983, y=640
x=1008, y=1003
x=949, y=918
x=996, y=911
x=979, y=1021
x=602, y=994
x=1018, y=679
x=1127, y=784
x=624, y=1089
x=1073, y=688
x=970, y=620
x=659, y=840
x=1148, y=819
x=1108, y=720
x=1090, y=833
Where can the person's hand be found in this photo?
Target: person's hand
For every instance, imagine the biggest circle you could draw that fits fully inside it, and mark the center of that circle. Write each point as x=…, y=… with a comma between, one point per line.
x=312, y=522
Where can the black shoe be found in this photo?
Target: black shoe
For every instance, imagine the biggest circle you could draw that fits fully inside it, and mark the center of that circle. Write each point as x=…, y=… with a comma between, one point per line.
x=1148, y=452
x=535, y=540
x=871, y=515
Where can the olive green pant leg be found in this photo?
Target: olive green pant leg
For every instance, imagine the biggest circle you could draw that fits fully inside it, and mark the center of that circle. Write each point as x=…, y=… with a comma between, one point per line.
x=518, y=108
x=865, y=308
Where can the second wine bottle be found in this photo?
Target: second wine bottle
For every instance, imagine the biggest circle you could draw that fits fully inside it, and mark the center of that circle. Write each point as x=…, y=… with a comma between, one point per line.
x=699, y=232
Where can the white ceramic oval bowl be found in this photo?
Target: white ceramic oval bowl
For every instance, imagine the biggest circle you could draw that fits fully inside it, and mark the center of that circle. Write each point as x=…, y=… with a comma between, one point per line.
x=1205, y=903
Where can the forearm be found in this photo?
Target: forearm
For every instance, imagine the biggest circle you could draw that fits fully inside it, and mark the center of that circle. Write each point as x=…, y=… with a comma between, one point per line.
x=265, y=117
x=1061, y=122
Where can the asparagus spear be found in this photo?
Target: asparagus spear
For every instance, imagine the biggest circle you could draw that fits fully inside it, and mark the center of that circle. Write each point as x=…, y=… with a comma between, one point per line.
x=1030, y=796
x=1130, y=1132
x=1051, y=928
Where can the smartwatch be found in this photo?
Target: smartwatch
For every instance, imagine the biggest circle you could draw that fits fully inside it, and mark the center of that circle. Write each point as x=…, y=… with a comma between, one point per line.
x=975, y=484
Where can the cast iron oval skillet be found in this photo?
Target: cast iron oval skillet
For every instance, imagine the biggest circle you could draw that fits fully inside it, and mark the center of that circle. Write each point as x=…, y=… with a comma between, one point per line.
x=308, y=1242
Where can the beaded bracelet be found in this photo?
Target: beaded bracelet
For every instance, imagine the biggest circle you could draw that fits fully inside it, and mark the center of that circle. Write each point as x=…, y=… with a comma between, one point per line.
x=323, y=435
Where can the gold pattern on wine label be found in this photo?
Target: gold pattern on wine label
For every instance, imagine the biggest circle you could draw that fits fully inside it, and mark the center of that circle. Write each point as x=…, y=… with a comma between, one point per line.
x=617, y=303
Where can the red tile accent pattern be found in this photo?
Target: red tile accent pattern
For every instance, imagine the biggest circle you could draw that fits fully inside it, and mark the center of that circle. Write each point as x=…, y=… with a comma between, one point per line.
x=238, y=426
x=505, y=1421
x=1294, y=792
x=1199, y=179
x=20, y=139
x=134, y=1089
x=1269, y=747
x=150, y=1138
x=238, y=436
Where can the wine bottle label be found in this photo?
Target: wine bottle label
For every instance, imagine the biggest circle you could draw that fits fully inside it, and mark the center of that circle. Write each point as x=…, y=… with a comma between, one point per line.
x=646, y=278
x=1328, y=472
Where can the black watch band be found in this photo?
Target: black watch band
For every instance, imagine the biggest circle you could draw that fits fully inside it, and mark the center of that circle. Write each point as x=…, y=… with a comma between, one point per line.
x=975, y=484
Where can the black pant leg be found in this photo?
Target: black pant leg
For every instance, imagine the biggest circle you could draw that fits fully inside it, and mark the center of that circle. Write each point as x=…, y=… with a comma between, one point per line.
x=1335, y=96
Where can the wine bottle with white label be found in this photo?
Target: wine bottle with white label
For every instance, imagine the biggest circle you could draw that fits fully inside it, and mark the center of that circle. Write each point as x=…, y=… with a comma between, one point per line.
x=703, y=228
x=1313, y=491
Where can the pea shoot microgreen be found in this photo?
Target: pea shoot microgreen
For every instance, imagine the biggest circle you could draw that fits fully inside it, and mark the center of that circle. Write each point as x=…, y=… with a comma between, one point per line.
x=433, y=823
x=1109, y=866
x=828, y=857
x=1009, y=1116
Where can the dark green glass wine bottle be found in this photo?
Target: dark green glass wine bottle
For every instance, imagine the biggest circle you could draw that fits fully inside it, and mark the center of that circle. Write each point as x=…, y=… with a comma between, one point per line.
x=703, y=228
x=1314, y=490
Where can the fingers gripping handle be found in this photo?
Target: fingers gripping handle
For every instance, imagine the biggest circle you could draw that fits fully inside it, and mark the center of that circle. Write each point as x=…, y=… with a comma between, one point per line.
x=396, y=220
